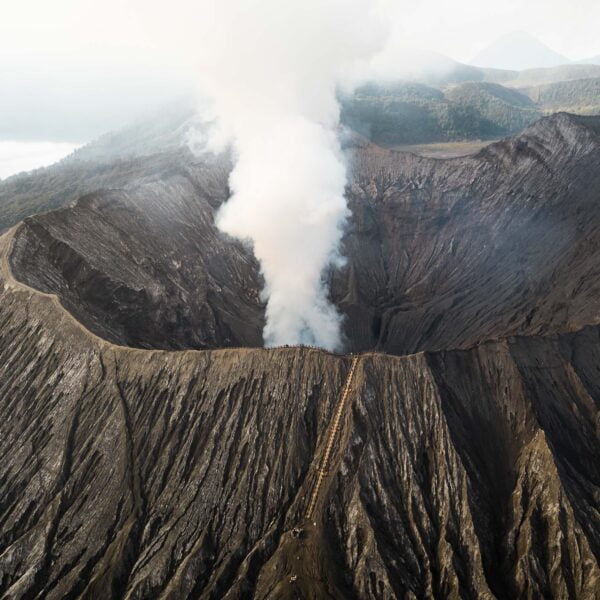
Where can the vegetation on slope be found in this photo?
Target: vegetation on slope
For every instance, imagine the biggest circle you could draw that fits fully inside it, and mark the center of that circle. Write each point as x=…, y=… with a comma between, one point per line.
x=581, y=96
x=541, y=76
x=408, y=113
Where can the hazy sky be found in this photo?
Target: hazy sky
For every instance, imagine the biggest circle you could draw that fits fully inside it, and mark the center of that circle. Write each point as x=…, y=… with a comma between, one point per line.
x=116, y=30
x=72, y=69
x=16, y=157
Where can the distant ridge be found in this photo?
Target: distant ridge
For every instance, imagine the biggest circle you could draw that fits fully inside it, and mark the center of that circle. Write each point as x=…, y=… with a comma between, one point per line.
x=518, y=51
x=595, y=60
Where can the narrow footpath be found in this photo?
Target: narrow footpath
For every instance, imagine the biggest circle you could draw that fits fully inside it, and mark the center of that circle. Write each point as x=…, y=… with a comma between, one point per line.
x=334, y=430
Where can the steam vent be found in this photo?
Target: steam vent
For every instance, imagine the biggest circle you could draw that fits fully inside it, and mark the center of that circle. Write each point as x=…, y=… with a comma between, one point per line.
x=152, y=449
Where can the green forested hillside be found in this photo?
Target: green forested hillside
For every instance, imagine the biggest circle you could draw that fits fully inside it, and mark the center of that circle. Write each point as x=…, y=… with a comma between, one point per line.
x=581, y=96
x=407, y=113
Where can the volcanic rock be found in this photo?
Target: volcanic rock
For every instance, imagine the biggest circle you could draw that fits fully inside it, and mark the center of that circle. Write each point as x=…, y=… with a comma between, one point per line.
x=150, y=449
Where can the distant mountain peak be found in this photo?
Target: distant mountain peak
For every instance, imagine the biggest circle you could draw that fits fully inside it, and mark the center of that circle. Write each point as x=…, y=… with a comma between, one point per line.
x=518, y=51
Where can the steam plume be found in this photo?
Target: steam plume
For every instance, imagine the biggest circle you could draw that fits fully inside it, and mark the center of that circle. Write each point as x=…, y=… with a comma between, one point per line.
x=270, y=69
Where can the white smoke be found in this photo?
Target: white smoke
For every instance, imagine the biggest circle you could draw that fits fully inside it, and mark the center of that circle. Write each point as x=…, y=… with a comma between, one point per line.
x=270, y=69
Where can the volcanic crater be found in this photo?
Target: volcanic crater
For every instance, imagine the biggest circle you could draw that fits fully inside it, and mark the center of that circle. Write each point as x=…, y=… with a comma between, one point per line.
x=152, y=449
